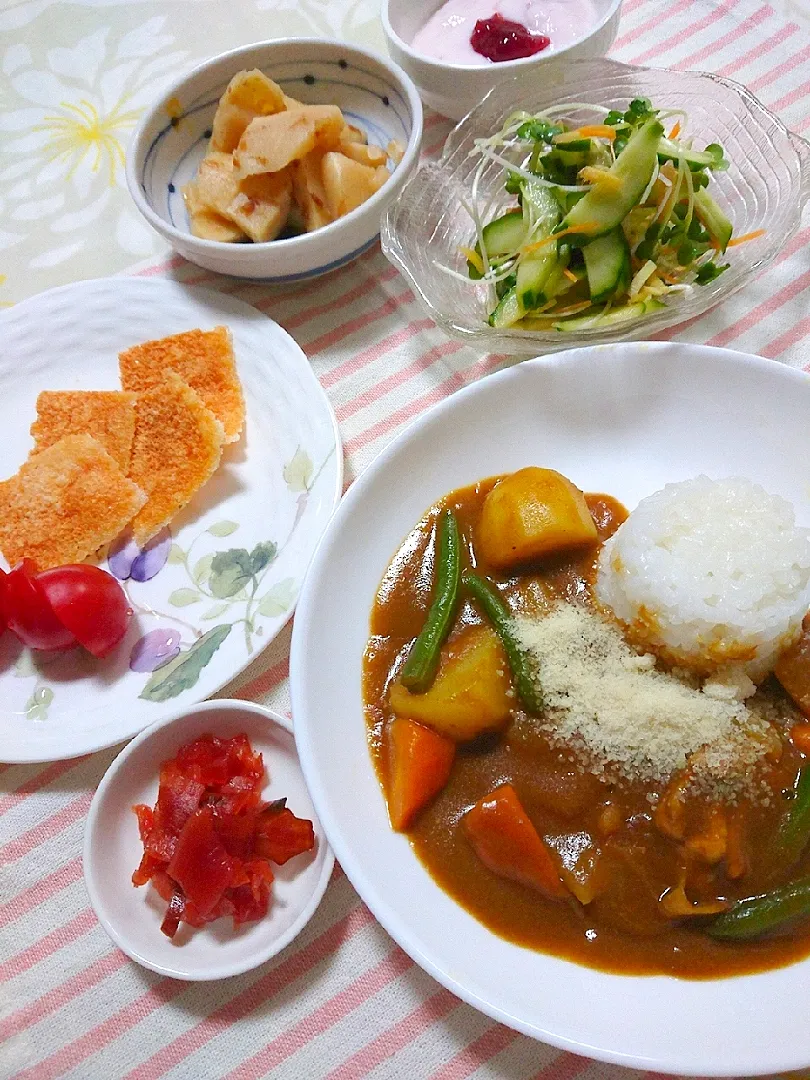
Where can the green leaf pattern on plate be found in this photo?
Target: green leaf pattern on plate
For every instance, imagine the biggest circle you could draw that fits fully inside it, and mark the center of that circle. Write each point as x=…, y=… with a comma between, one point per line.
x=223, y=528
x=231, y=581
x=36, y=708
x=231, y=578
x=298, y=471
x=183, y=672
x=278, y=599
x=183, y=597
x=231, y=571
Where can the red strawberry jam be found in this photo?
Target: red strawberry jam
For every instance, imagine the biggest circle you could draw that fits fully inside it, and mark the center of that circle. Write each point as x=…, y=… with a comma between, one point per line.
x=500, y=39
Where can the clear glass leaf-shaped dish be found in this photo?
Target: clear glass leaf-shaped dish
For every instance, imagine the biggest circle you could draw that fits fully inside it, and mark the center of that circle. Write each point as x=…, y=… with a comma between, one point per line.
x=765, y=187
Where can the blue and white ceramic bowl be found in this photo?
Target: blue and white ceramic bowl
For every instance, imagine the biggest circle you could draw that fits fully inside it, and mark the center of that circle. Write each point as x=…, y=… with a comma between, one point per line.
x=171, y=140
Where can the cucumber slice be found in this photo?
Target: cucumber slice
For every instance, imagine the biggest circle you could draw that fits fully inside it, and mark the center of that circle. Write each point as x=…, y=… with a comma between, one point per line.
x=568, y=142
x=614, y=317
x=511, y=309
x=534, y=270
x=505, y=234
x=501, y=237
x=532, y=274
x=607, y=262
x=669, y=151
x=713, y=219
x=556, y=281
x=605, y=205
x=558, y=161
x=507, y=312
x=545, y=208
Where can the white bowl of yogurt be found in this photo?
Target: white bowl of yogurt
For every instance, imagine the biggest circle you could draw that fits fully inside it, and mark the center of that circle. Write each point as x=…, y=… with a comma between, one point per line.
x=433, y=41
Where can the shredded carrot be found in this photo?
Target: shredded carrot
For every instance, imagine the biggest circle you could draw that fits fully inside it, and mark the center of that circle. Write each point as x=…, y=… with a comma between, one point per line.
x=589, y=226
x=800, y=737
x=597, y=131
x=675, y=130
x=473, y=257
x=570, y=276
x=746, y=237
x=669, y=171
x=573, y=309
x=543, y=315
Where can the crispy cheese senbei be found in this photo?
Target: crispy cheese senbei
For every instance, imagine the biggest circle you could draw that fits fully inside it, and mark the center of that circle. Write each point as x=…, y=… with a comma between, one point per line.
x=202, y=358
x=64, y=503
x=107, y=415
x=177, y=447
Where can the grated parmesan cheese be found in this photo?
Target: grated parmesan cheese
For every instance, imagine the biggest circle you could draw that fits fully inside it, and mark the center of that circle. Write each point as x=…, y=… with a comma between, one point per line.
x=629, y=716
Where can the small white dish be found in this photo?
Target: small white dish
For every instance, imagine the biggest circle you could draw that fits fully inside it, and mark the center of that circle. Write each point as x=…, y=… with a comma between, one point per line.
x=454, y=89
x=112, y=850
x=264, y=510
x=623, y=419
x=172, y=137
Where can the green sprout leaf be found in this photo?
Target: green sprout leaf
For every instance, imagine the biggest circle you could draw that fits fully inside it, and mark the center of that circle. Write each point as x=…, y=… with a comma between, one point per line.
x=720, y=162
x=708, y=272
x=538, y=131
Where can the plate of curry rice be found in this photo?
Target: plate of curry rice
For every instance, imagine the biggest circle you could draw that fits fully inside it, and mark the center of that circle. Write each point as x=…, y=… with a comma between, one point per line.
x=212, y=562
x=560, y=746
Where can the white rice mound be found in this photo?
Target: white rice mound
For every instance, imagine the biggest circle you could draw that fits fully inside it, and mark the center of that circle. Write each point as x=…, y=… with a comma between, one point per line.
x=711, y=575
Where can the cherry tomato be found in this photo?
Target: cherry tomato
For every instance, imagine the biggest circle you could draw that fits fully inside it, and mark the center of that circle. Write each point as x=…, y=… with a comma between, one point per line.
x=28, y=612
x=3, y=619
x=89, y=603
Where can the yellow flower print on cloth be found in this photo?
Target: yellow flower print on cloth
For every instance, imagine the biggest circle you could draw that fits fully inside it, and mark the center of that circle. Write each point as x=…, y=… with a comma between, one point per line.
x=68, y=113
x=80, y=130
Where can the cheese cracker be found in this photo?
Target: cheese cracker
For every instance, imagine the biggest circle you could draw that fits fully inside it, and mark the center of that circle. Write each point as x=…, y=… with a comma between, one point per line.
x=177, y=447
x=107, y=415
x=64, y=503
x=202, y=358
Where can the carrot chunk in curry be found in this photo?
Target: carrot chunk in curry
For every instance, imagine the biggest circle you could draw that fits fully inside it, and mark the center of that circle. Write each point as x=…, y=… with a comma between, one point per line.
x=506, y=841
x=419, y=763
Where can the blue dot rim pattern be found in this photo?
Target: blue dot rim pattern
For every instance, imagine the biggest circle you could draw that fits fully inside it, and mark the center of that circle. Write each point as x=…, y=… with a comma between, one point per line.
x=288, y=279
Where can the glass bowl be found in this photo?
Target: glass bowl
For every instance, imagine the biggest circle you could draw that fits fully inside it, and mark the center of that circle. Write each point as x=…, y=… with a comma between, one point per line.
x=765, y=186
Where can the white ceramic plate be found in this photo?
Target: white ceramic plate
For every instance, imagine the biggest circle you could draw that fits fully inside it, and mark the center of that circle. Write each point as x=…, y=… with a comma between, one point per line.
x=624, y=419
x=112, y=850
x=227, y=578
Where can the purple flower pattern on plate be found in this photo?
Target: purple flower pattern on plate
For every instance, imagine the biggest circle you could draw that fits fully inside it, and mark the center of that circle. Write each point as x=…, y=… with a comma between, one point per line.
x=155, y=649
x=127, y=560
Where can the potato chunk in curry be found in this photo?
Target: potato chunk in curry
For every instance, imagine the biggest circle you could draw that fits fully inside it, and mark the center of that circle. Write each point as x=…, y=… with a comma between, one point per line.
x=530, y=514
x=471, y=694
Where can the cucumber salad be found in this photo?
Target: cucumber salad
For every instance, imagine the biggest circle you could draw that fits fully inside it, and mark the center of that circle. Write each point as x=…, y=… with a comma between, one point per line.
x=610, y=217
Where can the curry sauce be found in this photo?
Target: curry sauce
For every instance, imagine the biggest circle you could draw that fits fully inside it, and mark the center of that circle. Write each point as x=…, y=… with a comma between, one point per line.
x=613, y=838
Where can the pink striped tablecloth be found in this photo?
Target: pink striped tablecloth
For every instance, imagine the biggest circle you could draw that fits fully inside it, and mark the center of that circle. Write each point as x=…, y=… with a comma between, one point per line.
x=343, y=1001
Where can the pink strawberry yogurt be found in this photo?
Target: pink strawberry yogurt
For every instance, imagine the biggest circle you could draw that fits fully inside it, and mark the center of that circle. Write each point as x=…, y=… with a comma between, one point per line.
x=446, y=34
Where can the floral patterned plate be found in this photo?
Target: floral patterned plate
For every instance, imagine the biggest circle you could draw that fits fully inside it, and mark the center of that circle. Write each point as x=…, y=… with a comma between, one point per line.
x=216, y=587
